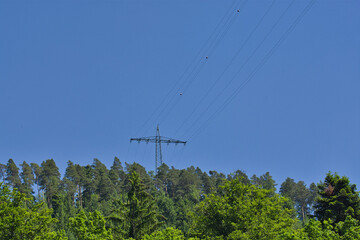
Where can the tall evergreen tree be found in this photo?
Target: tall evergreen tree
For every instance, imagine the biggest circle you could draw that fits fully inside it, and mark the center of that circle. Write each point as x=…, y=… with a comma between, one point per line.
x=301, y=196
x=2, y=171
x=104, y=186
x=265, y=181
x=338, y=199
x=136, y=167
x=142, y=213
x=27, y=177
x=74, y=181
x=36, y=169
x=240, y=175
x=49, y=179
x=12, y=175
x=161, y=178
x=117, y=175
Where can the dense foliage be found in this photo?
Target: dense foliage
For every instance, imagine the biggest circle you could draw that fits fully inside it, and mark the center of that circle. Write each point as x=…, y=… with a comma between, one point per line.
x=94, y=202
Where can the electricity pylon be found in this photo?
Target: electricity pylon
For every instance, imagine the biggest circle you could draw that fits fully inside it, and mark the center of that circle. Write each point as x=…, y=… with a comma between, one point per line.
x=157, y=140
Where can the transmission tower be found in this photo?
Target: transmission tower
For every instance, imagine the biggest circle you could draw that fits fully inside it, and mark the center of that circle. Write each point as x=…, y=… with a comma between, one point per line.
x=157, y=140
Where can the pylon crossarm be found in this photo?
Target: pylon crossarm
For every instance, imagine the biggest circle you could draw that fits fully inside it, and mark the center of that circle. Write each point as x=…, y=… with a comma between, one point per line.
x=157, y=139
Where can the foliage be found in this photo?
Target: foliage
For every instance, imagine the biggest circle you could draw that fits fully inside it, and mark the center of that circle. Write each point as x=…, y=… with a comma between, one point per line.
x=12, y=175
x=27, y=177
x=90, y=226
x=241, y=212
x=171, y=204
x=138, y=216
x=166, y=234
x=17, y=221
x=302, y=197
x=338, y=199
x=142, y=211
x=49, y=179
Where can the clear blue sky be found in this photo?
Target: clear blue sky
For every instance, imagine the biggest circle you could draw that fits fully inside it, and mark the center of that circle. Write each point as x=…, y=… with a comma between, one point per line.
x=78, y=79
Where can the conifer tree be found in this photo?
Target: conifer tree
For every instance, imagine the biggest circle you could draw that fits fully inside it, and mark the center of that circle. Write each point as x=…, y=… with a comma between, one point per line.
x=104, y=186
x=117, y=175
x=265, y=181
x=12, y=175
x=49, y=179
x=338, y=199
x=2, y=171
x=36, y=171
x=27, y=177
x=74, y=181
x=142, y=213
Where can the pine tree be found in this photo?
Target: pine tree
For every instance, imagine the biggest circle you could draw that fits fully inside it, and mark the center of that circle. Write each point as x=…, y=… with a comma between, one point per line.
x=74, y=181
x=104, y=186
x=36, y=172
x=265, y=181
x=12, y=175
x=2, y=171
x=49, y=179
x=27, y=177
x=117, y=175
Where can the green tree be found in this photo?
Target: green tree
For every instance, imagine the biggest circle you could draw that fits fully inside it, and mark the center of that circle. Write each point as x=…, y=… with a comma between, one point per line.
x=49, y=179
x=166, y=234
x=189, y=185
x=27, y=177
x=265, y=181
x=2, y=171
x=104, y=186
x=74, y=181
x=37, y=172
x=162, y=178
x=141, y=210
x=241, y=211
x=302, y=197
x=90, y=226
x=167, y=208
x=338, y=199
x=12, y=175
x=117, y=175
x=241, y=175
x=18, y=221
x=139, y=169
x=348, y=229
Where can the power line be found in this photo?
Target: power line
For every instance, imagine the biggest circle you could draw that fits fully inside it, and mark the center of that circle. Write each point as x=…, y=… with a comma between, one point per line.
x=259, y=66
x=190, y=81
x=227, y=67
x=245, y=62
x=208, y=44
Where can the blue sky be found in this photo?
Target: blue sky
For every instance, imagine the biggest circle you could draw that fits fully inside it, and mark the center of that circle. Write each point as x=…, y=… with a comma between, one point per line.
x=78, y=79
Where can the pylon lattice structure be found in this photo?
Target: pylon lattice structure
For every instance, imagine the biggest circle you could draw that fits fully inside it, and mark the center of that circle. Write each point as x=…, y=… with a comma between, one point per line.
x=158, y=139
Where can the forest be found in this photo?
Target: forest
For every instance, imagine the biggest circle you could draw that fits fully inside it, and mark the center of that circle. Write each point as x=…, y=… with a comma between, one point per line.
x=127, y=202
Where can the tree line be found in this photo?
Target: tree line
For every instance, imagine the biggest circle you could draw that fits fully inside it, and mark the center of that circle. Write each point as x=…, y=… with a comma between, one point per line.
x=128, y=202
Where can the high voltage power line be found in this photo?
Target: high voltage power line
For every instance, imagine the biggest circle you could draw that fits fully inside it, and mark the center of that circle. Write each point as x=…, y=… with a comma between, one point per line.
x=246, y=61
x=227, y=67
x=257, y=68
x=192, y=71
x=211, y=43
x=209, y=53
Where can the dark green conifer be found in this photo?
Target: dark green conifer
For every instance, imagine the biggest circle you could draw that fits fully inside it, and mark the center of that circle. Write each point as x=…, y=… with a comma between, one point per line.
x=27, y=177
x=12, y=175
x=338, y=199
